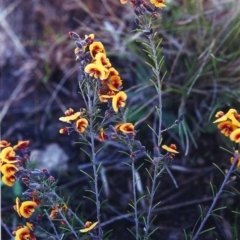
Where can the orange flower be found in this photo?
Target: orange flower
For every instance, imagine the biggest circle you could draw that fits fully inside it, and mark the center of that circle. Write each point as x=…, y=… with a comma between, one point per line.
x=172, y=148
x=27, y=209
x=115, y=83
x=7, y=155
x=119, y=100
x=81, y=125
x=8, y=169
x=158, y=3
x=102, y=136
x=127, y=128
x=96, y=47
x=4, y=143
x=101, y=57
x=70, y=118
x=88, y=227
x=96, y=70
x=8, y=180
x=20, y=145
x=235, y=136
x=226, y=127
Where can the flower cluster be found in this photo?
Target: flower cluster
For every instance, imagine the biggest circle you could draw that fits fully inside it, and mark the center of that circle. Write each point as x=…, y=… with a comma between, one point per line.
x=10, y=162
x=76, y=119
x=97, y=67
x=229, y=124
x=141, y=6
x=16, y=165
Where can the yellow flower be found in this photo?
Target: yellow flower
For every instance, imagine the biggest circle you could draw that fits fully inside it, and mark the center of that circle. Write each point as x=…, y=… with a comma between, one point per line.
x=7, y=155
x=231, y=115
x=27, y=209
x=101, y=57
x=119, y=101
x=235, y=136
x=70, y=118
x=96, y=70
x=23, y=233
x=226, y=127
x=8, y=169
x=88, y=227
x=8, y=180
x=172, y=148
x=127, y=128
x=158, y=3
x=96, y=47
x=81, y=125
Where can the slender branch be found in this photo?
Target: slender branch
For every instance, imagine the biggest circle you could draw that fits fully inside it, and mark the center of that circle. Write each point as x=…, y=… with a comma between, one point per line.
x=91, y=104
x=135, y=200
x=216, y=197
x=159, y=93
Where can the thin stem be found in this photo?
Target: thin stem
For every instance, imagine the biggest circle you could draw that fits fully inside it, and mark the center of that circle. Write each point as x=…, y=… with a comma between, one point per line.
x=216, y=197
x=91, y=104
x=151, y=202
x=135, y=200
x=159, y=93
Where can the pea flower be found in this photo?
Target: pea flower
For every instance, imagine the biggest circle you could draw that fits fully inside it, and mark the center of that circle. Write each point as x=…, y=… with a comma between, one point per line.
x=7, y=155
x=81, y=125
x=88, y=227
x=25, y=209
x=158, y=3
x=101, y=57
x=96, y=70
x=127, y=128
x=96, y=47
x=8, y=169
x=69, y=118
x=230, y=115
x=226, y=127
x=172, y=148
x=24, y=233
x=119, y=101
x=235, y=136
x=115, y=83
x=9, y=180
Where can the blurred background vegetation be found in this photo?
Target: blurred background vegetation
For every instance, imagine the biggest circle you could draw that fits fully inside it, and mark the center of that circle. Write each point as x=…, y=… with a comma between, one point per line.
x=202, y=64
